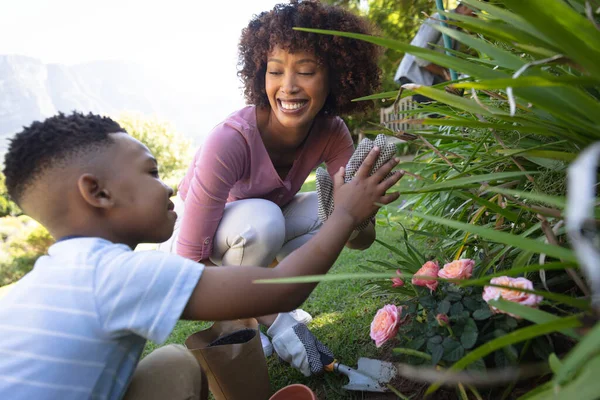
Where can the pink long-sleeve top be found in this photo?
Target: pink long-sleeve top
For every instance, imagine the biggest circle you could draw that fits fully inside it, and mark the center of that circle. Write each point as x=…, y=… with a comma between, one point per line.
x=233, y=164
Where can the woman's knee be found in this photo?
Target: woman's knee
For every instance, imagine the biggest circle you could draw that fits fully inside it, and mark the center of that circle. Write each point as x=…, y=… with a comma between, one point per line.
x=251, y=232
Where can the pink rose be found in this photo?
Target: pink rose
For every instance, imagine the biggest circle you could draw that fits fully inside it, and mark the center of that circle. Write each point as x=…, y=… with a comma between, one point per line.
x=516, y=296
x=397, y=282
x=457, y=269
x=430, y=268
x=386, y=323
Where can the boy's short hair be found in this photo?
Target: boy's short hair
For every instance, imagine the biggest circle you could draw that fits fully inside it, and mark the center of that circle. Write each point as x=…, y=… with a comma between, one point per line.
x=52, y=142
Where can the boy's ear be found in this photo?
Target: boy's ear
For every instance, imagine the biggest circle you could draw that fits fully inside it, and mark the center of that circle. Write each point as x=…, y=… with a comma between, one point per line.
x=93, y=192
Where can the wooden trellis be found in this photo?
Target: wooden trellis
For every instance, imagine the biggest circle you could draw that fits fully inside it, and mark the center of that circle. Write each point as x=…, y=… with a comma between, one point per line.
x=396, y=116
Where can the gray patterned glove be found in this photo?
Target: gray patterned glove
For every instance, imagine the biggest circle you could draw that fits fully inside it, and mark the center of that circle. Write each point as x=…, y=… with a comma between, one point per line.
x=324, y=182
x=295, y=344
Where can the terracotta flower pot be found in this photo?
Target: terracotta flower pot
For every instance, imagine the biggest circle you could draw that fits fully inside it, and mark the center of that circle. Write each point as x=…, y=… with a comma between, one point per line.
x=294, y=392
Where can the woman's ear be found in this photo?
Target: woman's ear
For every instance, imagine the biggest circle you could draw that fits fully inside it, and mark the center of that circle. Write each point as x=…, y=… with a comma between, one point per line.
x=93, y=192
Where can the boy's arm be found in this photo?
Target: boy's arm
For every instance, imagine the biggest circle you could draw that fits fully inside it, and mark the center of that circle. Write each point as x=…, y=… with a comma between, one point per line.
x=229, y=293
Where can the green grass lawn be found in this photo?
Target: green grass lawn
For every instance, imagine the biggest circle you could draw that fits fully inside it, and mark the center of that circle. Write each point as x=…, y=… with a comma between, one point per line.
x=342, y=319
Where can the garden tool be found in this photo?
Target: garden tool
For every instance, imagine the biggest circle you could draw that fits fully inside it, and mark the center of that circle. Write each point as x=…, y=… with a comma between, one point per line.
x=370, y=376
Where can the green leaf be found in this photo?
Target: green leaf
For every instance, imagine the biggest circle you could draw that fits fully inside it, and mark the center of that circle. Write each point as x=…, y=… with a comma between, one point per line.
x=456, y=309
x=549, y=154
x=453, y=350
x=511, y=216
x=554, y=362
x=530, y=314
x=526, y=81
x=437, y=339
x=469, y=335
x=443, y=307
x=461, y=103
x=453, y=296
x=383, y=95
x=513, y=20
x=460, y=182
x=427, y=301
x=503, y=237
x=501, y=57
x=326, y=278
x=470, y=68
x=471, y=304
x=585, y=386
x=517, y=271
x=511, y=338
x=541, y=392
x=477, y=365
x=579, y=355
x=437, y=351
x=411, y=352
x=521, y=127
x=416, y=343
x=555, y=201
x=482, y=314
x=571, y=32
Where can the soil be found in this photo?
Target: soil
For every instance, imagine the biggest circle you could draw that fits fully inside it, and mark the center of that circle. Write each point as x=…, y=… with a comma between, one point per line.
x=241, y=336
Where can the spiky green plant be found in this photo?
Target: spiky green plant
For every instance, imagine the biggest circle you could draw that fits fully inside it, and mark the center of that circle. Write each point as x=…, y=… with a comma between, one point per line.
x=489, y=177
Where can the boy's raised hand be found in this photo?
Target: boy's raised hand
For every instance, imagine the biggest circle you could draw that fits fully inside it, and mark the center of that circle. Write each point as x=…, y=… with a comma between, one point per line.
x=363, y=195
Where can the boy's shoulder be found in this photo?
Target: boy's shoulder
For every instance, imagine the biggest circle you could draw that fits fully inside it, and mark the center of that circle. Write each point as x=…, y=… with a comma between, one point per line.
x=82, y=250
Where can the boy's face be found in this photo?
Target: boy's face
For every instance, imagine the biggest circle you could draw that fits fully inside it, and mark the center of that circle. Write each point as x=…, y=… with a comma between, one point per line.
x=142, y=211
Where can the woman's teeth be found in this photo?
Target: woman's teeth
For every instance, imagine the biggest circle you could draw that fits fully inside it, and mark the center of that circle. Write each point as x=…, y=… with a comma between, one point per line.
x=286, y=105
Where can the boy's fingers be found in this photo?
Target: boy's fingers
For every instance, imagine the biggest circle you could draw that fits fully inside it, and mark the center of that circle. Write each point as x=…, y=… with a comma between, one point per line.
x=338, y=178
x=391, y=181
x=385, y=169
x=390, y=197
x=368, y=163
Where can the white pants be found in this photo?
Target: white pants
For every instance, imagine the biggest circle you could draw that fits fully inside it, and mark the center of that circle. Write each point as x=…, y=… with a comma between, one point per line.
x=254, y=232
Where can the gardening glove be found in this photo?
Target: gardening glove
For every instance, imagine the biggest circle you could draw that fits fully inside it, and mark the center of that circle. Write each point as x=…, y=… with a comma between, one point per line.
x=296, y=345
x=324, y=182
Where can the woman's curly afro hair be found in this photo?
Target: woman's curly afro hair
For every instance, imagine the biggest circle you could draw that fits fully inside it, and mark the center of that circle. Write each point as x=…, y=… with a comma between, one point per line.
x=352, y=64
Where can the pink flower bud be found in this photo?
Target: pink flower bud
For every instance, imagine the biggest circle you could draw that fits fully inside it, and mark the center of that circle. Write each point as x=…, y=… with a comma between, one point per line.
x=442, y=319
x=397, y=282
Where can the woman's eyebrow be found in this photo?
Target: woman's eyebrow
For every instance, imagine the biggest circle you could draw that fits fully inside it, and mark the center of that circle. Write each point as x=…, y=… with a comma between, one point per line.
x=302, y=61
x=306, y=61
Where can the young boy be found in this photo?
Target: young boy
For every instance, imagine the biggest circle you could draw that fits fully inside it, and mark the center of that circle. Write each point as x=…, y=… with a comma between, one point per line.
x=75, y=326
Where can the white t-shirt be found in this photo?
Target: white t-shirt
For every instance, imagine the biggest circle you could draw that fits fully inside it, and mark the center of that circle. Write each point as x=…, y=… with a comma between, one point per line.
x=76, y=325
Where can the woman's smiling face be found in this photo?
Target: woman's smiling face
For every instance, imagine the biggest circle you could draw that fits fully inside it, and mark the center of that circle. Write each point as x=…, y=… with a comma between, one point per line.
x=297, y=86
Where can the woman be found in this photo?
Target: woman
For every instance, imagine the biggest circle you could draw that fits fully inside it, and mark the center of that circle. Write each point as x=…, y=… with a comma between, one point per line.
x=239, y=203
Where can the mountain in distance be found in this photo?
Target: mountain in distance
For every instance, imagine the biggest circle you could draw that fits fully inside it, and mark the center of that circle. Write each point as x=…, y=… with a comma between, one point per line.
x=32, y=90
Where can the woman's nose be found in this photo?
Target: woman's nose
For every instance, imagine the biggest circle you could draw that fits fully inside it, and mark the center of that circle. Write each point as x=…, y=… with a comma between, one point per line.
x=289, y=84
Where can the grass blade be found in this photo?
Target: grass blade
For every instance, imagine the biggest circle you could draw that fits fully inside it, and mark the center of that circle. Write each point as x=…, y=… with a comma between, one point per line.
x=531, y=314
x=506, y=238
